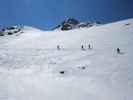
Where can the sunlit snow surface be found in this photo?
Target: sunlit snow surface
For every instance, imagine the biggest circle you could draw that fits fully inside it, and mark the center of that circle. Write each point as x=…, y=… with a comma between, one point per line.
x=30, y=64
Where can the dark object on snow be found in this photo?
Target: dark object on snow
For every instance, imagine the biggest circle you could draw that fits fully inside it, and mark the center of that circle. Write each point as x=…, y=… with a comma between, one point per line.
x=85, y=24
x=127, y=24
x=10, y=33
x=1, y=34
x=83, y=67
x=89, y=46
x=82, y=25
x=82, y=47
x=10, y=28
x=17, y=31
x=62, y=72
x=66, y=26
x=58, y=47
x=118, y=50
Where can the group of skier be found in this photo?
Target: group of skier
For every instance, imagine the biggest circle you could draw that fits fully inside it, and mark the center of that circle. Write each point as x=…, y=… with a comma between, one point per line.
x=89, y=47
x=83, y=47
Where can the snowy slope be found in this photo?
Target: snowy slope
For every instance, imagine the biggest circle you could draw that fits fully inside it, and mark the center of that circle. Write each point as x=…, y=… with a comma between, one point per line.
x=30, y=65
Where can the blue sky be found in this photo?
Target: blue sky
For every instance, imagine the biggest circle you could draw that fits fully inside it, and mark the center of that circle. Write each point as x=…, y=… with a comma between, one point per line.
x=45, y=14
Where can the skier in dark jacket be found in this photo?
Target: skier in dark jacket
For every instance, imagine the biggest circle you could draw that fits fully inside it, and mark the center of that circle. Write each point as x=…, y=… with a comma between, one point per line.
x=82, y=47
x=118, y=50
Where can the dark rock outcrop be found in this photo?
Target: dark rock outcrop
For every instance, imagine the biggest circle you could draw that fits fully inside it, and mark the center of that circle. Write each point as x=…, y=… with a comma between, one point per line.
x=72, y=23
x=10, y=30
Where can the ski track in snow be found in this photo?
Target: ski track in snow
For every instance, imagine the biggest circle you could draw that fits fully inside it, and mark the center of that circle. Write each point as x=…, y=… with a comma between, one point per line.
x=30, y=66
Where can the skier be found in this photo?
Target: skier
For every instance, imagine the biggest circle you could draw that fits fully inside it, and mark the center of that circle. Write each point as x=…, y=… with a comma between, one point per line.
x=89, y=46
x=82, y=47
x=58, y=47
x=118, y=50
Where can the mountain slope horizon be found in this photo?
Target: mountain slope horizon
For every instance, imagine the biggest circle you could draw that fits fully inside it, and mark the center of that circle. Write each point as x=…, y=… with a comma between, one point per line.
x=79, y=64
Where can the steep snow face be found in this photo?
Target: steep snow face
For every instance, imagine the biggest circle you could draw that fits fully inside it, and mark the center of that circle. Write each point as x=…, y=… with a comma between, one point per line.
x=31, y=67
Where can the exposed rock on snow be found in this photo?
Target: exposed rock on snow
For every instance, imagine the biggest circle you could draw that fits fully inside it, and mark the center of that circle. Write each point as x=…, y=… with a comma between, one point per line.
x=11, y=30
x=72, y=23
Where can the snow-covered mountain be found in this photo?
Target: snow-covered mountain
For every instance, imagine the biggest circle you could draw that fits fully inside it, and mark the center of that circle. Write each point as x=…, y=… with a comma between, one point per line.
x=31, y=67
x=71, y=23
x=11, y=30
